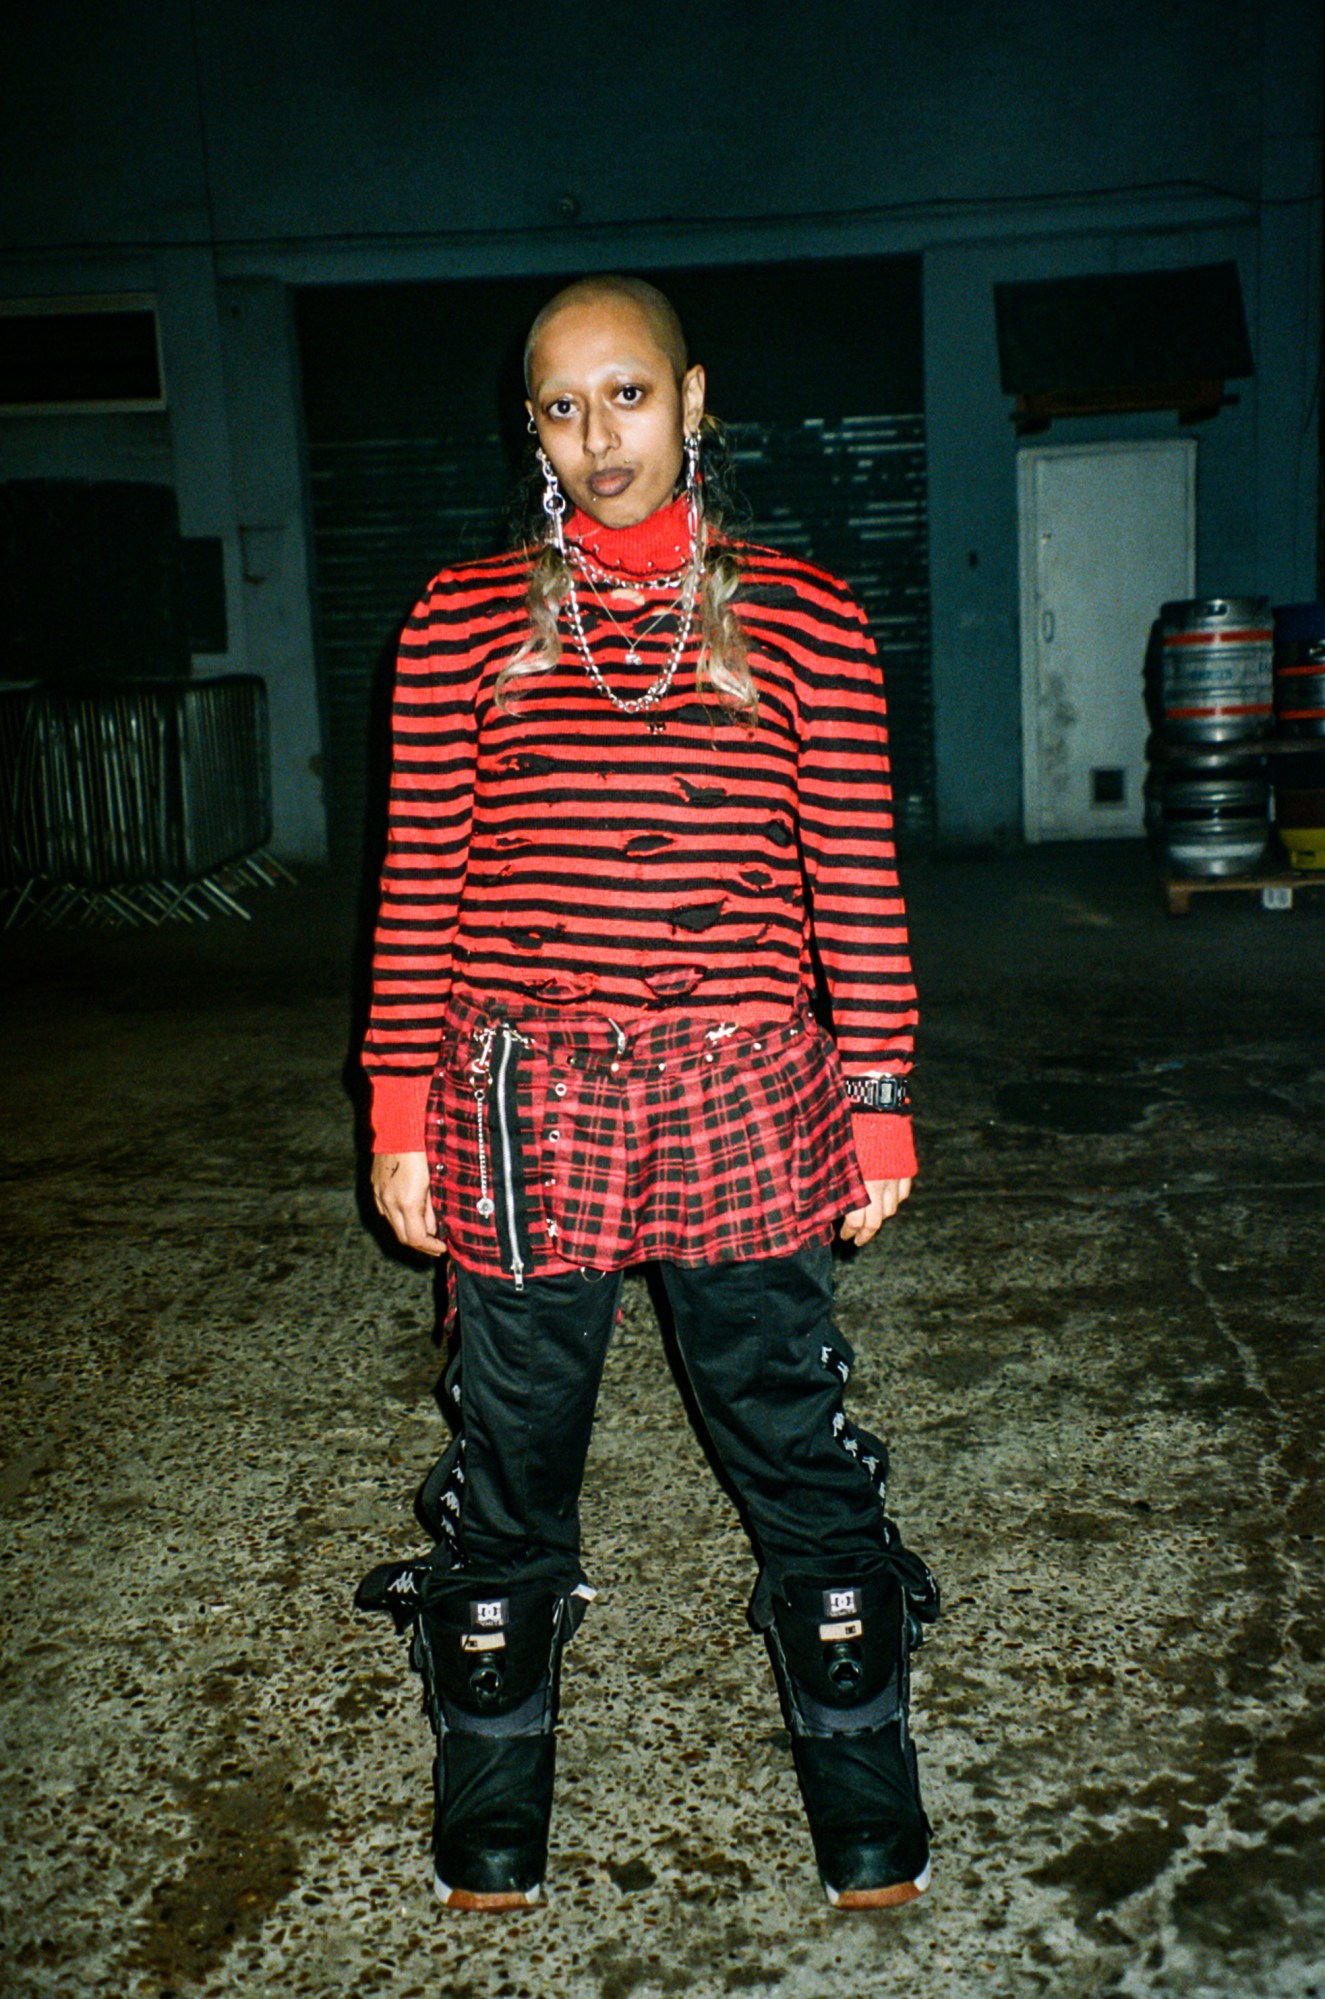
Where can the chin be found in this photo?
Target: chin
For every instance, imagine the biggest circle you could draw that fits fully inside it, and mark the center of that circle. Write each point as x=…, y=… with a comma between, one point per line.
x=626, y=510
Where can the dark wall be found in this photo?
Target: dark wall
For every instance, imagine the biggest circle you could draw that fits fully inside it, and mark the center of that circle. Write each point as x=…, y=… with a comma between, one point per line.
x=294, y=121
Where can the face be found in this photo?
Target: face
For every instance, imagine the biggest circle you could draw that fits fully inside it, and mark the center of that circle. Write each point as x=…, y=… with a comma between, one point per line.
x=610, y=413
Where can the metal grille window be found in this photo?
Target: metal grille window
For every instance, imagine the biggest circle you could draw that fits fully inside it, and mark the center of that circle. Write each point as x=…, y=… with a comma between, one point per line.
x=850, y=495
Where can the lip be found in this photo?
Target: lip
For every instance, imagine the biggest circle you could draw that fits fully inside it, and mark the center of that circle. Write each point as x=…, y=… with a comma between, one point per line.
x=611, y=482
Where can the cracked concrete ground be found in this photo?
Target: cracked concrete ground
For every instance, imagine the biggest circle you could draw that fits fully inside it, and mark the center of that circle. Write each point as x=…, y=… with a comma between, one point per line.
x=1094, y=1339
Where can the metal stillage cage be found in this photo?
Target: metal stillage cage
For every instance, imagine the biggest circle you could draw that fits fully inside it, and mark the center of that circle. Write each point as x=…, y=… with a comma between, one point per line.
x=149, y=781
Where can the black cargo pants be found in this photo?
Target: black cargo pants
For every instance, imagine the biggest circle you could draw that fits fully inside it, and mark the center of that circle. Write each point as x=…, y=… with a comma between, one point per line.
x=766, y=1367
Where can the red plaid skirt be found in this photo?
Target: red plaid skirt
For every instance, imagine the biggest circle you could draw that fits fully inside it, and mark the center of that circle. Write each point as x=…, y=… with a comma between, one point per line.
x=561, y=1141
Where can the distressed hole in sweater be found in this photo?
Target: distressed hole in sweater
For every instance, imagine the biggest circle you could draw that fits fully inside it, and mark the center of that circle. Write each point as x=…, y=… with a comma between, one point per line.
x=564, y=988
x=534, y=940
x=673, y=982
x=702, y=916
x=778, y=833
x=647, y=843
x=510, y=843
x=700, y=794
x=530, y=763
x=757, y=879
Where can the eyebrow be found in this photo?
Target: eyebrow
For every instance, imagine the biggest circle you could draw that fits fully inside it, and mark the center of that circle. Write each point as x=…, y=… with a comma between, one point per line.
x=628, y=366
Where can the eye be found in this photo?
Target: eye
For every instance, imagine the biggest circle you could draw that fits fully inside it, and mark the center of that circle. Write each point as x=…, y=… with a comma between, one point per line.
x=631, y=393
x=561, y=407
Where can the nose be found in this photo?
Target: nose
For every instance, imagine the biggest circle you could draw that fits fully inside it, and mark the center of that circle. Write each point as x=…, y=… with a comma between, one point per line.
x=599, y=430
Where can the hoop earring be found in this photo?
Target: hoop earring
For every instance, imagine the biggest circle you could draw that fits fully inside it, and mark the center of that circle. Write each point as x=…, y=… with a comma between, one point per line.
x=555, y=504
x=531, y=426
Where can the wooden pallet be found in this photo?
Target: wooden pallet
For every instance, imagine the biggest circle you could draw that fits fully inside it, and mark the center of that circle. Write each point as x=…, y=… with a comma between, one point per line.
x=1276, y=891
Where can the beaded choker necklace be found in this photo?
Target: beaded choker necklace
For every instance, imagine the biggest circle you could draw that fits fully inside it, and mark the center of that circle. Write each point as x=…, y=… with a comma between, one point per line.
x=593, y=572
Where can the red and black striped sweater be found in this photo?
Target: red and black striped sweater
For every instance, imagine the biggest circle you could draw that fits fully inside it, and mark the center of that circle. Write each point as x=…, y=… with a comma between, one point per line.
x=574, y=855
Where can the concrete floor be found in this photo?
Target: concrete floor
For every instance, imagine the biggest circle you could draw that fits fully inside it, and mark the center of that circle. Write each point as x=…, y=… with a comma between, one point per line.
x=1095, y=1339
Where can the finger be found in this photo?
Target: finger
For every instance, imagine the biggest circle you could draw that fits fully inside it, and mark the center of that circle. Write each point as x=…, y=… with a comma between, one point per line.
x=433, y=1242
x=868, y=1221
x=414, y=1237
x=414, y=1216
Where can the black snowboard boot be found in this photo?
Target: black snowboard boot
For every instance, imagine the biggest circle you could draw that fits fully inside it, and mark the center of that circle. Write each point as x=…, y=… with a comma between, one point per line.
x=490, y=1661
x=840, y=1652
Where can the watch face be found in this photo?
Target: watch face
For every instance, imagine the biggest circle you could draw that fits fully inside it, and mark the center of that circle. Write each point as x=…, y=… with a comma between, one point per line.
x=880, y=1093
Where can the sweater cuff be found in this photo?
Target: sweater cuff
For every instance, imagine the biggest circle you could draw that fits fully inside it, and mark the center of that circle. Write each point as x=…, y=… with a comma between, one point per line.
x=398, y=1112
x=885, y=1145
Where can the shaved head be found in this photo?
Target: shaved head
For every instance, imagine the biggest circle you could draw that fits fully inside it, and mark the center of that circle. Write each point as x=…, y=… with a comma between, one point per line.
x=658, y=310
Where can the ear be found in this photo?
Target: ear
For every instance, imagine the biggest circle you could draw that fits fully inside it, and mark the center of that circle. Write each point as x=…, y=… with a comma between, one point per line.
x=692, y=397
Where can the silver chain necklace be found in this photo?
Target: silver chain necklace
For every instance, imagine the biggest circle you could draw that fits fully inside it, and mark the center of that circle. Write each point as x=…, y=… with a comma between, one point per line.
x=654, y=693
x=595, y=573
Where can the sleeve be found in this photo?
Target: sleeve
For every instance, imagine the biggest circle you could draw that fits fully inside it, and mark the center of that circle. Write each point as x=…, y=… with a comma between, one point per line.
x=858, y=918
x=429, y=820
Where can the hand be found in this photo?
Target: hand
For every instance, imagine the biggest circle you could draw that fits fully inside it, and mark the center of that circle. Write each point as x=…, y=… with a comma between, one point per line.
x=861, y=1225
x=400, y=1189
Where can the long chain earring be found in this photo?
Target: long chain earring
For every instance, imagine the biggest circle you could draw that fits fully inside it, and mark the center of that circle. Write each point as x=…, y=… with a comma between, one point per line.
x=554, y=502
x=693, y=489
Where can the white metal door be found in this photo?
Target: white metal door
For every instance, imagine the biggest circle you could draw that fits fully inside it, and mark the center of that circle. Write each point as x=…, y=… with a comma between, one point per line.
x=1108, y=533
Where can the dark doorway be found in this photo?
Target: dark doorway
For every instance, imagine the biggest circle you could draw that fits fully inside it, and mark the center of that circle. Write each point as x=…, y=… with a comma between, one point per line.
x=416, y=432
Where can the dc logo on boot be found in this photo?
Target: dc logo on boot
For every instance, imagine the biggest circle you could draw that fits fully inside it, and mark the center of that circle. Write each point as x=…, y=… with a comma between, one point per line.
x=841, y=1603
x=488, y=1614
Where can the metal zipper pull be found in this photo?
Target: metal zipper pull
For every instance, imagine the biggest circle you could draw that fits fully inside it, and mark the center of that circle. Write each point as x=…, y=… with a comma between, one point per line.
x=479, y=1070
x=484, y=1204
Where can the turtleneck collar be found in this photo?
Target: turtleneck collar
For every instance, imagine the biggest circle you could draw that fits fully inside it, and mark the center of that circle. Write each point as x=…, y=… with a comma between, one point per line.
x=659, y=545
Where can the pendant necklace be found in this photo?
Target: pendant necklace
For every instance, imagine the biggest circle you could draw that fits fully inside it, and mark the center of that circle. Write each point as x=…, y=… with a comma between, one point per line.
x=655, y=692
x=632, y=645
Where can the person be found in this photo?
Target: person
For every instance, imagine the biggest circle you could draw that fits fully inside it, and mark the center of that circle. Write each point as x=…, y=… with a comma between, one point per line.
x=638, y=818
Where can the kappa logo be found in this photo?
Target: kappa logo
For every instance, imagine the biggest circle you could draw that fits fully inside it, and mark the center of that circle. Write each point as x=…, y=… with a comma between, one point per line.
x=841, y=1603
x=488, y=1614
